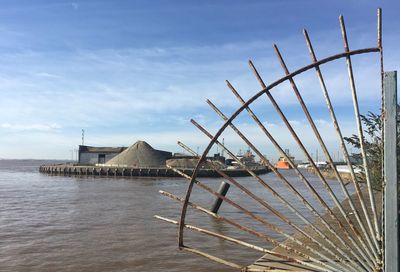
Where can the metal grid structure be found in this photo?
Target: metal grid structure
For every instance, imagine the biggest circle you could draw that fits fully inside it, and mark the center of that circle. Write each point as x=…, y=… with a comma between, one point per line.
x=357, y=228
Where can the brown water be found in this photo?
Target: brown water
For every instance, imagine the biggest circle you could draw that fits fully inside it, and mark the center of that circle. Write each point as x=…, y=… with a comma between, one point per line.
x=55, y=223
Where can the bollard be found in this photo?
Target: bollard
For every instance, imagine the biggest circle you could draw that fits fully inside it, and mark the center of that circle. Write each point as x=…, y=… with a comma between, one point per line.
x=223, y=189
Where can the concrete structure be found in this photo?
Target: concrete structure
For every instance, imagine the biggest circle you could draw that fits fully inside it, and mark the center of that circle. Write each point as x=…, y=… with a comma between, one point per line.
x=139, y=160
x=68, y=169
x=93, y=155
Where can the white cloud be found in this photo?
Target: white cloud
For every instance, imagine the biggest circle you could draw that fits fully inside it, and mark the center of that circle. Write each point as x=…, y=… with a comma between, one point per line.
x=105, y=85
x=164, y=88
x=30, y=127
x=47, y=75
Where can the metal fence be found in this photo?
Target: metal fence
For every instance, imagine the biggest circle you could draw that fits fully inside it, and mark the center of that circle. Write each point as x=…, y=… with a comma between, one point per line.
x=359, y=234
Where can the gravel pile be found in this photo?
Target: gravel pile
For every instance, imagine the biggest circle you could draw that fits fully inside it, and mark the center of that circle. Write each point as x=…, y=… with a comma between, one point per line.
x=140, y=154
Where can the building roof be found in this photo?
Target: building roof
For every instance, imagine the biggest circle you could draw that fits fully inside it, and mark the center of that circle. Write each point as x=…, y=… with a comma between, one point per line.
x=95, y=149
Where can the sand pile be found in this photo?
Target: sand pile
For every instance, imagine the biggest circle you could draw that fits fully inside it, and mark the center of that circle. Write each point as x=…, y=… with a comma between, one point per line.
x=140, y=154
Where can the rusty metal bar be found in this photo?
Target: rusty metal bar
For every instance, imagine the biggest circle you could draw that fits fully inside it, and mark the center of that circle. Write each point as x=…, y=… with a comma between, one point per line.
x=214, y=234
x=246, y=269
x=246, y=229
x=211, y=257
x=380, y=46
x=359, y=128
x=222, y=218
x=287, y=184
x=326, y=152
x=234, y=204
x=251, y=100
x=269, y=225
x=343, y=147
x=275, y=194
x=379, y=32
x=379, y=15
x=271, y=138
x=379, y=39
x=279, y=111
x=264, y=222
x=250, y=231
x=280, y=215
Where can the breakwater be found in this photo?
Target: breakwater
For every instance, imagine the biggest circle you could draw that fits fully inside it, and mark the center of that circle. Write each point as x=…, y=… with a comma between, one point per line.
x=111, y=171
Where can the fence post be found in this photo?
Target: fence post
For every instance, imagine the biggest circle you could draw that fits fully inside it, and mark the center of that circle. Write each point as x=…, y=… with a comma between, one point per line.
x=223, y=189
x=390, y=172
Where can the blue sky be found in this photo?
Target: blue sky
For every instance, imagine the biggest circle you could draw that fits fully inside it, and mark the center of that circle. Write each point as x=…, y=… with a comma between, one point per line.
x=130, y=70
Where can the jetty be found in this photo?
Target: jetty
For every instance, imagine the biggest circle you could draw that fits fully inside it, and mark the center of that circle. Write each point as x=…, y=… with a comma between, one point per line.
x=142, y=160
x=93, y=170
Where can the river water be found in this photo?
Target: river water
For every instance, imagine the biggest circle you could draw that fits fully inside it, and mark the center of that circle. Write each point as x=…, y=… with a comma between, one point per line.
x=57, y=223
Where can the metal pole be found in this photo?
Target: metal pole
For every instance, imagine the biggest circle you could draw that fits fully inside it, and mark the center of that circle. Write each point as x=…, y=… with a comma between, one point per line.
x=223, y=189
x=83, y=136
x=390, y=172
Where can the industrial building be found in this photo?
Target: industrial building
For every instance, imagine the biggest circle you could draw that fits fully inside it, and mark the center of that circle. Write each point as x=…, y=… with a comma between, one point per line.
x=93, y=155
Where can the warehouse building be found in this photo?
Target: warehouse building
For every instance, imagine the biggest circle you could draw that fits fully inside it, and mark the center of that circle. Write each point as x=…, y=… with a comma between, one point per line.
x=93, y=155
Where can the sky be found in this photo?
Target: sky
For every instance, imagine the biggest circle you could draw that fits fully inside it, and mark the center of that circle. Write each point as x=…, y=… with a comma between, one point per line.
x=140, y=70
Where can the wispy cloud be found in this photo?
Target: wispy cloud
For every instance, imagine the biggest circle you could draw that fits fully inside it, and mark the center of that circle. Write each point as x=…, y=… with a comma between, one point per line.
x=152, y=90
x=30, y=127
x=145, y=80
x=47, y=75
